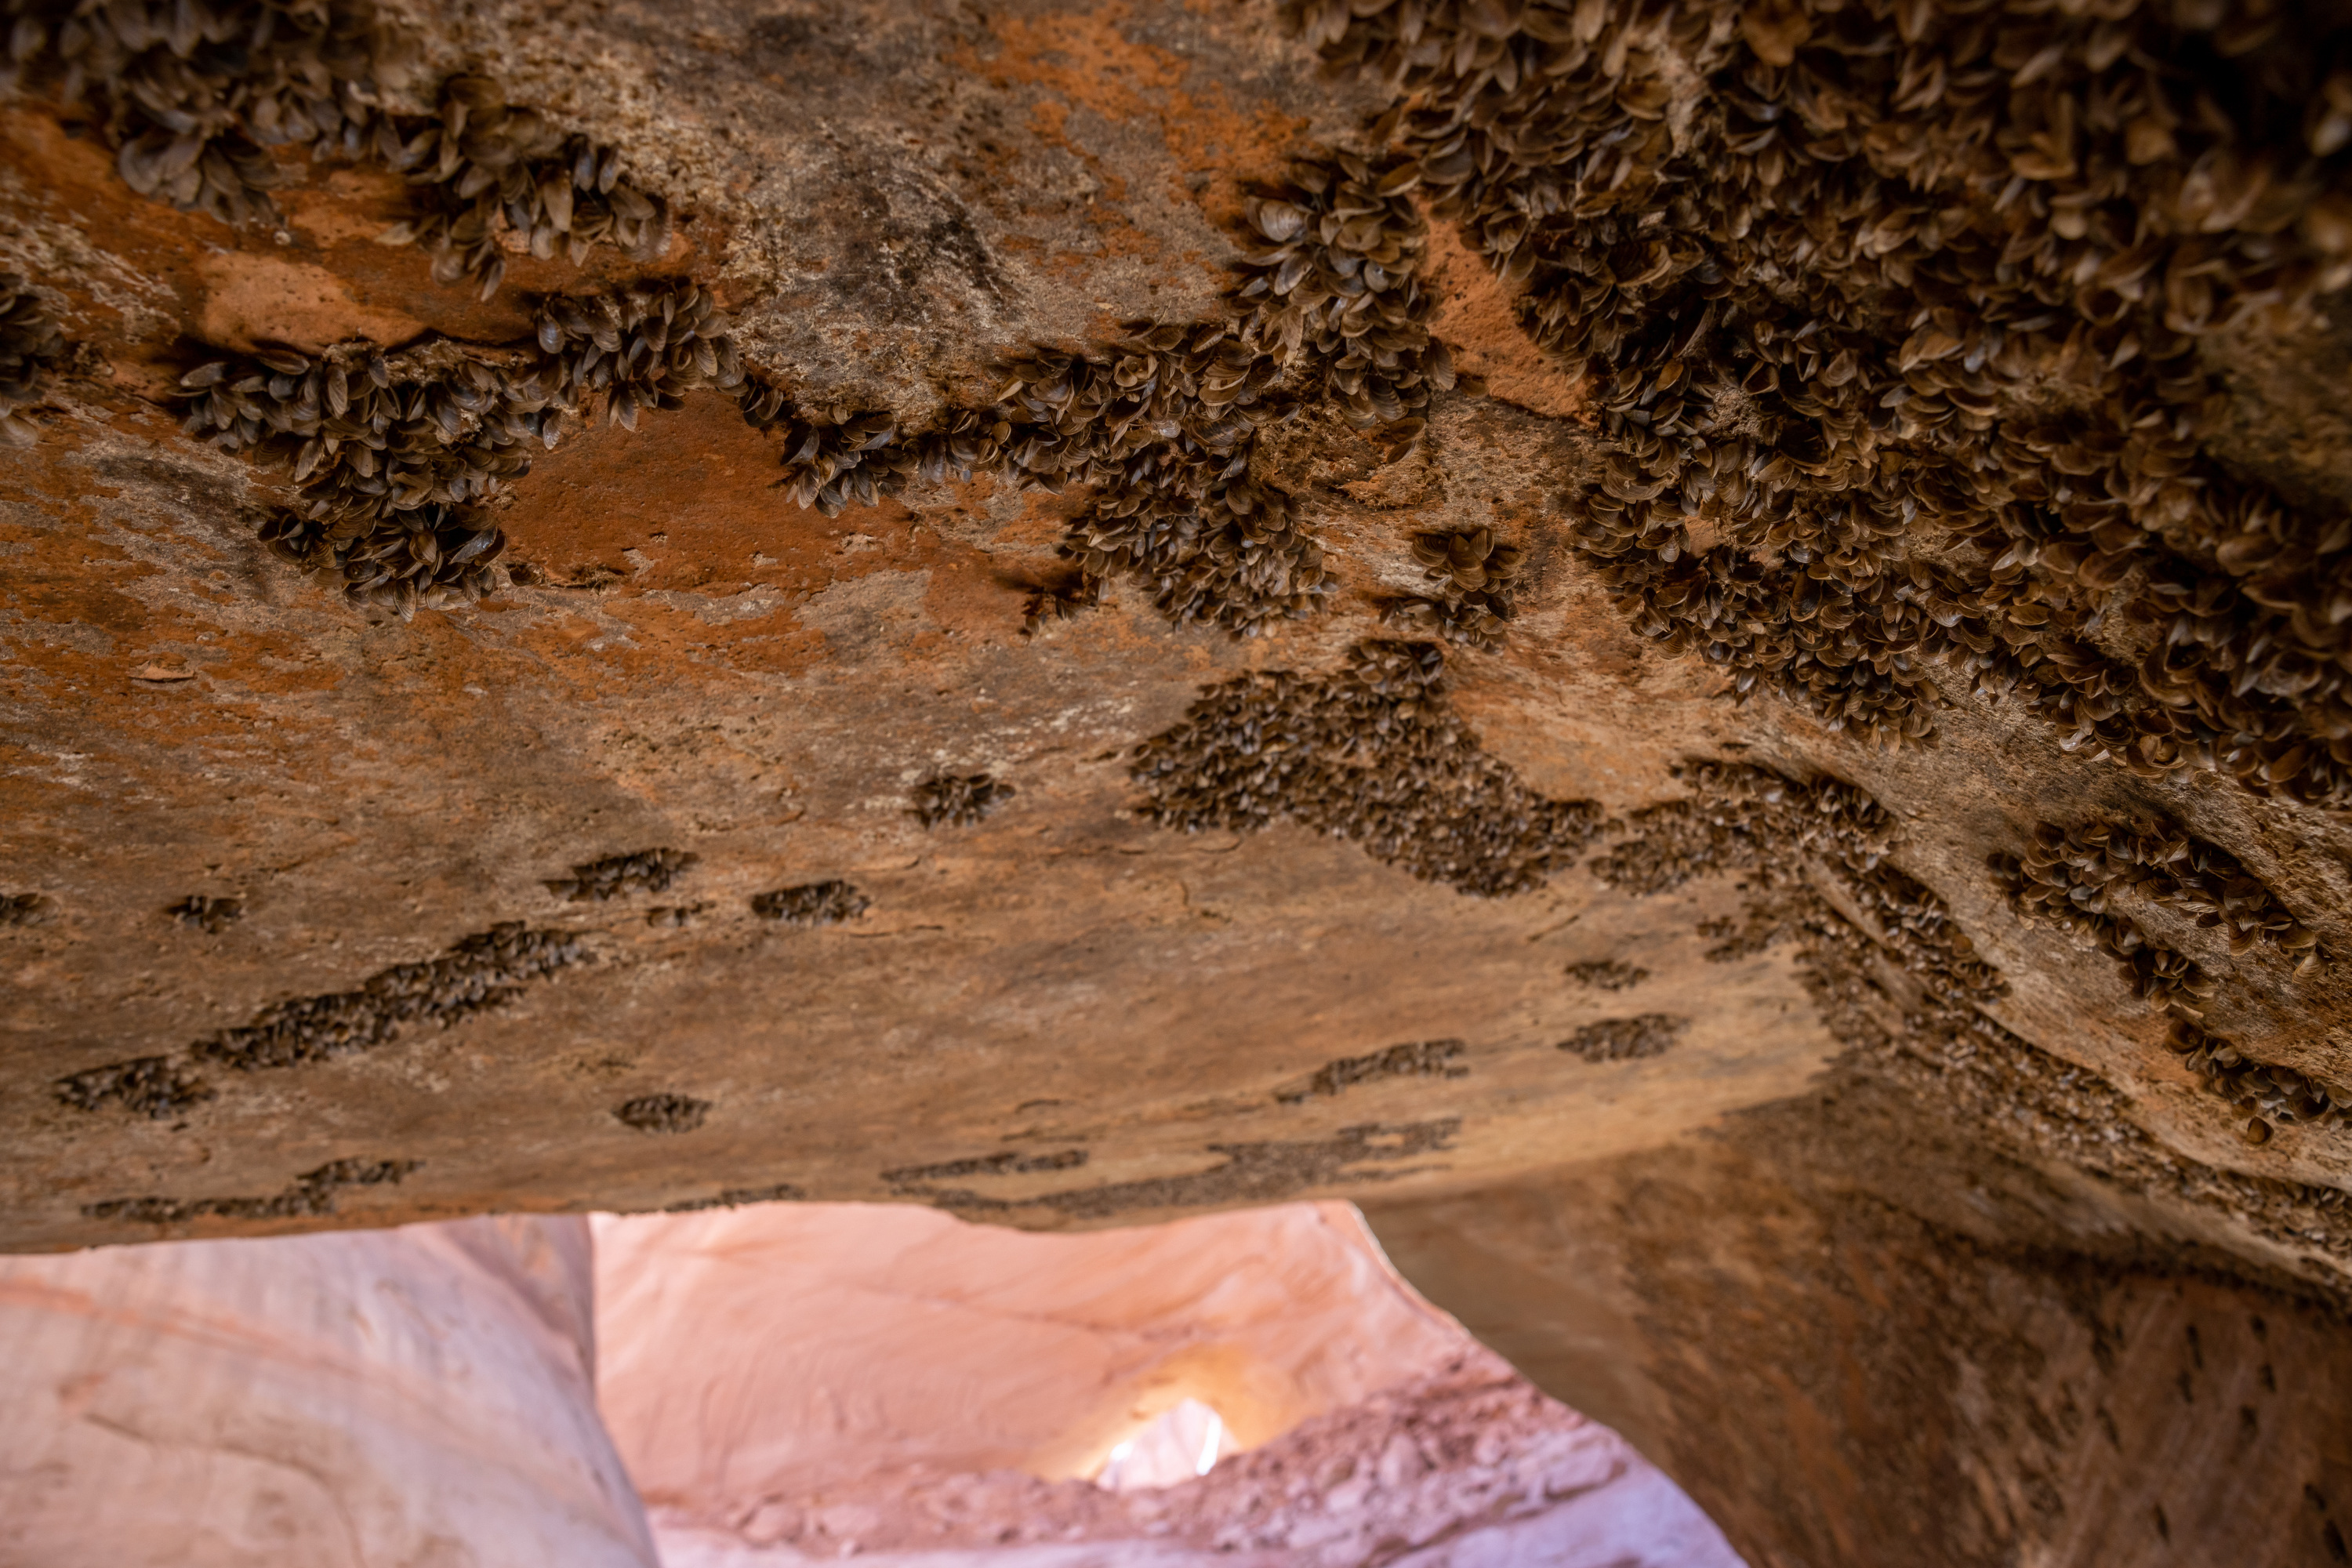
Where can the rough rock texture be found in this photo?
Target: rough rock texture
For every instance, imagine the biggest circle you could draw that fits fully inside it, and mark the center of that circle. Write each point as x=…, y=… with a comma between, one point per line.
x=1467, y=1468
x=789, y=1382
x=1837, y=511
x=1961, y=1356
x=423, y=1396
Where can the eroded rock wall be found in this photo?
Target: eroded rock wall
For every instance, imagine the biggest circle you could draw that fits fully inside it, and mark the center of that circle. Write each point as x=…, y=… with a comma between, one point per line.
x=421, y=1396
x=1082, y=613
x=793, y=1382
x=785, y=1349
x=1933, y=1355
x=787, y=1384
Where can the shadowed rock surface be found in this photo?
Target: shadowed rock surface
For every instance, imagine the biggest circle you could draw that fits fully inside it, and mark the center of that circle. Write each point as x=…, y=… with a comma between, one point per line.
x=1794, y=579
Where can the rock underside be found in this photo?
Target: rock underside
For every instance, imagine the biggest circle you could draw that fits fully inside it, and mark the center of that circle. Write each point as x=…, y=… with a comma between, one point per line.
x=1697, y=651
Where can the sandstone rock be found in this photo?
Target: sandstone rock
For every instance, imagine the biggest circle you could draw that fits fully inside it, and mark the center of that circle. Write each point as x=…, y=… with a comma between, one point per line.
x=423, y=1396
x=790, y=1349
x=1906, y=523
x=790, y=1383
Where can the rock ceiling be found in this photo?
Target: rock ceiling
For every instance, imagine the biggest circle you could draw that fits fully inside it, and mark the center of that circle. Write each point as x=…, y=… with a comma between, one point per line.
x=1077, y=614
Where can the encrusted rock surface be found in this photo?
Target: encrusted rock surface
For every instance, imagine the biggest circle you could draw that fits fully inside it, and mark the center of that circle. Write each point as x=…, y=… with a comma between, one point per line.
x=1112, y=573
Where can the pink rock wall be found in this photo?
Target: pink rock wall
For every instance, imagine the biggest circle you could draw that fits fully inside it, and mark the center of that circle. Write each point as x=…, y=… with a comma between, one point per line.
x=784, y=1347
x=795, y=1383
x=413, y=1398
x=789, y=1382
x=1469, y=1467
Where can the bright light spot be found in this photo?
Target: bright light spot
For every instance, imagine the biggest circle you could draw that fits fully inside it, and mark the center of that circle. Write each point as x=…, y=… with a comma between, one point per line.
x=1182, y=1443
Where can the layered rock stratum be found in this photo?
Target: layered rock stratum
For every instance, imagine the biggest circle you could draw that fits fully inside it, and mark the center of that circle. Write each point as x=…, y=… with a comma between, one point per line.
x=1695, y=649
x=421, y=1396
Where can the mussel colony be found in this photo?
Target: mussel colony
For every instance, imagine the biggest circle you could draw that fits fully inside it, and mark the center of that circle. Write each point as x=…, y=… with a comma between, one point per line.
x=478, y=973
x=485, y=969
x=154, y=1087
x=811, y=904
x=2072, y=878
x=1903, y=301
x=210, y=915
x=652, y=870
x=2266, y=1093
x=1003, y=1163
x=1895, y=315
x=736, y=1198
x=1766, y=830
x=390, y=458
x=1904, y=990
x=1373, y=753
x=662, y=1113
x=919, y=1182
x=1607, y=975
x=393, y=457
x=31, y=349
x=2072, y=875
x=194, y=94
x=1416, y=1059
x=1636, y=1038
x=311, y=1193
x=958, y=800
x=1922, y=1036
x=23, y=908
x=1471, y=573
x=1746, y=819
x=1160, y=423
x=396, y=459
x=1903, y=305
